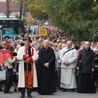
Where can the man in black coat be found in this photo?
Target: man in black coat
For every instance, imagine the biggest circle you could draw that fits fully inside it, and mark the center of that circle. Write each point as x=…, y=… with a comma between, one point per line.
x=85, y=66
x=46, y=78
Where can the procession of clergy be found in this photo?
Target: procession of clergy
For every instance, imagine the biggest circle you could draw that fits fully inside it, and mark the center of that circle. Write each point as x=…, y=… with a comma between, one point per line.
x=74, y=68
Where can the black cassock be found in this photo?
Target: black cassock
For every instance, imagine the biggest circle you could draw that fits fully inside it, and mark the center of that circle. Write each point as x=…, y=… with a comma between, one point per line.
x=46, y=76
x=86, y=63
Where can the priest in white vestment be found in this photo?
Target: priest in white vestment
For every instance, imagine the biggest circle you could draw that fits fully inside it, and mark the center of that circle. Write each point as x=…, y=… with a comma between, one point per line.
x=68, y=64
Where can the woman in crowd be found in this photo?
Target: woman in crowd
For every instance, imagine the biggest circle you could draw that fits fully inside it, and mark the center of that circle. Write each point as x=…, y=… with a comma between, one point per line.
x=9, y=60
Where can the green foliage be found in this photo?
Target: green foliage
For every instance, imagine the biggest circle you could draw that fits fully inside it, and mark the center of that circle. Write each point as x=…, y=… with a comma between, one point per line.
x=37, y=9
x=77, y=17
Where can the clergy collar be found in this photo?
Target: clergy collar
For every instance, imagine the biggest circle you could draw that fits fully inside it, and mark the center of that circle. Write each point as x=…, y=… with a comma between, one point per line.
x=45, y=49
x=87, y=49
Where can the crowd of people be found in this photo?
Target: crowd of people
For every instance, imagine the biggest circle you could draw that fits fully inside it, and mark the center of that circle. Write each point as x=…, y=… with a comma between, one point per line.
x=48, y=64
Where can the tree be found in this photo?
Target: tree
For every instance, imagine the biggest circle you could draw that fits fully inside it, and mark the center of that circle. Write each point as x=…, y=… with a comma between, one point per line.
x=77, y=17
x=38, y=9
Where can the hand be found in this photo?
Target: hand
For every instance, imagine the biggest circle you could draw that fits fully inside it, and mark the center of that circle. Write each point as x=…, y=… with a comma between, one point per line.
x=56, y=69
x=77, y=68
x=27, y=55
x=46, y=65
x=14, y=57
x=77, y=72
x=66, y=63
x=93, y=70
x=27, y=60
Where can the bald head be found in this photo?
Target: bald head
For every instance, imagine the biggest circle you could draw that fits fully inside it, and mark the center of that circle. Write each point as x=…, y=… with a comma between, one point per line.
x=69, y=44
x=87, y=45
x=63, y=46
x=46, y=43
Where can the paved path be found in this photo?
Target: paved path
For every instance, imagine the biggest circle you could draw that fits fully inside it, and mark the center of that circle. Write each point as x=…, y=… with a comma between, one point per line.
x=58, y=94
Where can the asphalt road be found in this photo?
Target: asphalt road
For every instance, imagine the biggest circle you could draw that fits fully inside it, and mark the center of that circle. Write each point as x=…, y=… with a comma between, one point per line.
x=58, y=94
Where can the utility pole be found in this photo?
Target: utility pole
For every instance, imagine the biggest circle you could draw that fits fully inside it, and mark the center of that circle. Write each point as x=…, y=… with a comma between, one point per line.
x=20, y=10
x=7, y=4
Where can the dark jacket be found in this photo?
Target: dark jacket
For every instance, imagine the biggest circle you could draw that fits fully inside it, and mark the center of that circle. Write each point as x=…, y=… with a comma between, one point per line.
x=86, y=61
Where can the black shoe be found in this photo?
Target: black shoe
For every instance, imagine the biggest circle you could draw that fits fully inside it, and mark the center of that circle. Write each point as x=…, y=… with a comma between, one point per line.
x=30, y=96
x=73, y=90
x=1, y=90
x=22, y=93
x=29, y=93
x=42, y=93
x=64, y=90
x=9, y=92
x=59, y=88
x=22, y=96
x=15, y=90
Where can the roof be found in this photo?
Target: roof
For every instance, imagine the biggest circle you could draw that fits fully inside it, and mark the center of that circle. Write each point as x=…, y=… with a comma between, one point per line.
x=13, y=7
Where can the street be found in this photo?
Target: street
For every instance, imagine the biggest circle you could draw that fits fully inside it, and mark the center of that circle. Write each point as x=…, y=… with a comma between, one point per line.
x=58, y=94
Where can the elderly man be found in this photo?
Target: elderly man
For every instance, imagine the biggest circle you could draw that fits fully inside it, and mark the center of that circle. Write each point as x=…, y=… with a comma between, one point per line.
x=46, y=79
x=85, y=66
x=68, y=63
x=27, y=56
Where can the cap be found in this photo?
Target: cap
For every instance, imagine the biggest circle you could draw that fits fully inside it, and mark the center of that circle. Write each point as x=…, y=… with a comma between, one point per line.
x=27, y=39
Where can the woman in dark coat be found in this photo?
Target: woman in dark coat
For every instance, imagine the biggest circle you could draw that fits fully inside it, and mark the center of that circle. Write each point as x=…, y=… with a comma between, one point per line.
x=85, y=66
x=46, y=78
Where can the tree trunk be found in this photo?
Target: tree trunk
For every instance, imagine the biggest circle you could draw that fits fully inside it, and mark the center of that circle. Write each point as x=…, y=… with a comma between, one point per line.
x=20, y=10
x=7, y=3
x=25, y=8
